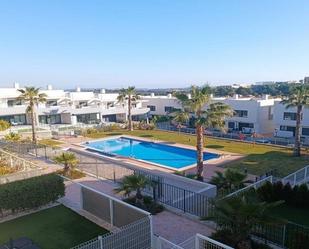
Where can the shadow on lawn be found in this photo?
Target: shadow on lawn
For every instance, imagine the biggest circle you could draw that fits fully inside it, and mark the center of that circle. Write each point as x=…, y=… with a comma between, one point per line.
x=281, y=163
x=214, y=146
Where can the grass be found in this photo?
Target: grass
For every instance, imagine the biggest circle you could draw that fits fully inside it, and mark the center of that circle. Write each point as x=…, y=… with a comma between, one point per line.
x=56, y=227
x=293, y=214
x=258, y=158
x=50, y=142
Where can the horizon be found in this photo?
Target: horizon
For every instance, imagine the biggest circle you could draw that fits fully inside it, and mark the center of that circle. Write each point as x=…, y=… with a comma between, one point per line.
x=152, y=44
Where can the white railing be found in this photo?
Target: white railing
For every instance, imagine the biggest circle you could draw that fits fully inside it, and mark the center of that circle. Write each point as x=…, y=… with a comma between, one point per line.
x=202, y=242
x=197, y=241
x=132, y=236
x=298, y=177
x=13, y=161
x=253, y=185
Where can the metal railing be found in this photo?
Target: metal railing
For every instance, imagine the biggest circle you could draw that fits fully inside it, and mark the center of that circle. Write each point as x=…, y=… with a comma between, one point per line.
x=132, y=236
x=298, y=177
x=255, y=185
x=197, y=241
x=24, y=168
x=289, y=235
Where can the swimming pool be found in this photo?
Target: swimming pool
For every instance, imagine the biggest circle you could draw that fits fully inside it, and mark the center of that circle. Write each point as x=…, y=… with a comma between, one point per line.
x=156, y=153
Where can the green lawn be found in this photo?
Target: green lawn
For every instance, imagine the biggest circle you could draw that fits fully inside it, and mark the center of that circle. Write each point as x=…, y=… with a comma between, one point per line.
x=258, y=160
x=50, y=142
x=296, y=215
x=56, y=227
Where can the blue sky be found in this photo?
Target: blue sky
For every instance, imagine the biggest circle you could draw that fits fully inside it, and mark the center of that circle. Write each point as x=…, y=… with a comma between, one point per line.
x=163, y=43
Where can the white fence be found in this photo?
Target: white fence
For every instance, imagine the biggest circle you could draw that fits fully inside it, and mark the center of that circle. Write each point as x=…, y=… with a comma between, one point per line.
x=298, y=177
x=24, y=168
x=132, y=236
x=253, y=185
x=196, y=242
x=15, y=161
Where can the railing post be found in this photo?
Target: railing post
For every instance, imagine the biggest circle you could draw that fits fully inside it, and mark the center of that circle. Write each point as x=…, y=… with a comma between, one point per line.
x=101, y=242
x=111, y=212
x=96, y=168
x=184, y=200
x=197, y=242
x=294, y=180
x=284, y=234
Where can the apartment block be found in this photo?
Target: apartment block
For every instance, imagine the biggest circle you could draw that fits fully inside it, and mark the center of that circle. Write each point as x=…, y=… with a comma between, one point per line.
x=64, y=107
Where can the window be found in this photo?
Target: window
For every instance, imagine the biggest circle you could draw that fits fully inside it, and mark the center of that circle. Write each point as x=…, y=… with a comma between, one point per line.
x=169, y=109
x=19, y=119
x=14, y=102
x=288, y=128
x=50, y=119
x=152, y=108
x=305, y=131
x=289, y=116
x=88, y=118
x=51, y=103
x=241, y=113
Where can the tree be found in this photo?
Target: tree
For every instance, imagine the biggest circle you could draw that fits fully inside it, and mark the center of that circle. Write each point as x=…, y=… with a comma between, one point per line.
x=32, y=97
x=212, y=117
x=298, y=98
x=12, y=136
x=238, y=215
x=230, y=180
x=68, y=159
x=128, y=95
x=244, y=91
x=133, y=183
x=180, y=117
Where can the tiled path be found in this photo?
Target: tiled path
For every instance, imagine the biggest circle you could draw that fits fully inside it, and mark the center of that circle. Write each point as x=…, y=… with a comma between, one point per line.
x=174, y=227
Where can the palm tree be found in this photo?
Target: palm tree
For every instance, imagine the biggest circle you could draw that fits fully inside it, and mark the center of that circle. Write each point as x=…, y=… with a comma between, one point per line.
x=213, y=117
x=230, y=180
x=32, y=97
x=180, y=117
x=238, y=215
x=298, y=98
x=69, y=161
x=129, y=94
x=133, y=183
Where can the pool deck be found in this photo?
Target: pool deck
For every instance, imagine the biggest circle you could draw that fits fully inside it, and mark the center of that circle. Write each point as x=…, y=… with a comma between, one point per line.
x=211, y=166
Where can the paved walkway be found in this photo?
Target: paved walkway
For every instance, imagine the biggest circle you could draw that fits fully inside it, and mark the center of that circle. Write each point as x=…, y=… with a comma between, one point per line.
x=174, y=227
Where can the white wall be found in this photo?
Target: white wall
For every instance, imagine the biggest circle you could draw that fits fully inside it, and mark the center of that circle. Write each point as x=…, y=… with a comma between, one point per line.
x=160, y=102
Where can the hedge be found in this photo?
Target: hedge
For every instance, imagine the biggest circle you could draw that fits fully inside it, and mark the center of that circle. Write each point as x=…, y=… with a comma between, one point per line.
x=298, y=196
x=30, y=193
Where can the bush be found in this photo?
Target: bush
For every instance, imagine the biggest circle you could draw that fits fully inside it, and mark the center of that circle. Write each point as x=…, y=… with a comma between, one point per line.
x=4, y=125
x=31, y=193
x=148, y=204
x=297, y=196
x=299, y=240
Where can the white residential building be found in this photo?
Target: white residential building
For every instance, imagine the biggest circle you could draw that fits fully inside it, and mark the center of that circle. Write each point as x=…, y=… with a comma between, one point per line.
x=67, y=107
x=285, y=121
x=251, y=114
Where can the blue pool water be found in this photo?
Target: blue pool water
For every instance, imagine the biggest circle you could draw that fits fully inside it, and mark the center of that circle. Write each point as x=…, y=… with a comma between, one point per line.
x=165, y=155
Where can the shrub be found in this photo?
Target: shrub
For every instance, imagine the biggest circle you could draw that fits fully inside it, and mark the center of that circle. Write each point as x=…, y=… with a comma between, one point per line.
x=265, y=192
x=148, y=204
x=297, y=196
x=298, y=240
x=31, y=193
x=13, y=137
x=4, y=125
